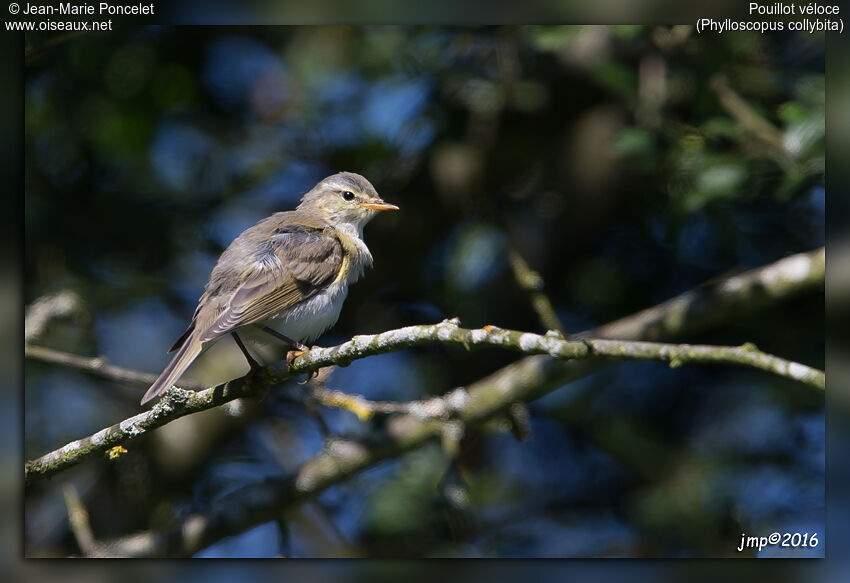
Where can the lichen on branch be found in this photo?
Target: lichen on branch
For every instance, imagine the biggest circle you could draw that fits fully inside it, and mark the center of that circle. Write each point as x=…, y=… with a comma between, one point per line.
x=178, y=402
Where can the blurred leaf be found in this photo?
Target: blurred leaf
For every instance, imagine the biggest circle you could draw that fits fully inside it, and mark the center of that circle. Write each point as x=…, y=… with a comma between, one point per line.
x=628, y=31
x=552, y=38
x=617, y=78
x=402, y=503
x=635, y=142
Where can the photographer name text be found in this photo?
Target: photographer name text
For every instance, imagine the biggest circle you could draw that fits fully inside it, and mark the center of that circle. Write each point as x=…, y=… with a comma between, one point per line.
x=100, y=9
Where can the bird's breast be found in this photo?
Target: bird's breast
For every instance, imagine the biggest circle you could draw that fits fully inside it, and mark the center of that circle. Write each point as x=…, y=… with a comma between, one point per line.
x=308, y=319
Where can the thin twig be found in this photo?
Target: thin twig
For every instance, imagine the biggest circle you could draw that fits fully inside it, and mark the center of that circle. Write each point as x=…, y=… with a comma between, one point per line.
x=78, y=518
x=435, y=407
x=750, y=119
x=97, y=367
x=531, y=282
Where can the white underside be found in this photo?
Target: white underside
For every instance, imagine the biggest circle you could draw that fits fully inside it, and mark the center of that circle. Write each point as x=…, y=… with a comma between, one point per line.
x=303, y=323
x=308, y=320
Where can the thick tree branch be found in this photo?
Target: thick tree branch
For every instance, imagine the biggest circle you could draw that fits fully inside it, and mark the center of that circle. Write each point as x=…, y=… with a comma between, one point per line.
x=179, y=403
x=524, y=380
x=710, y=304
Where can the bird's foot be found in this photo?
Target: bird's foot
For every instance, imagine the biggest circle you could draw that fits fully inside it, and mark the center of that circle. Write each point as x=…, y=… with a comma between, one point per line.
x=293, y=354
x=300, y=350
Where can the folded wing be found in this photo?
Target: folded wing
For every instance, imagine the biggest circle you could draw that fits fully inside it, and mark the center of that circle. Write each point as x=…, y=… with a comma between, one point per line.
x=299, y=262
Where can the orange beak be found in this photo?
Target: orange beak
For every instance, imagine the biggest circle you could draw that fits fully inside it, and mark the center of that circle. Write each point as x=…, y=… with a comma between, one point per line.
x=379, y=206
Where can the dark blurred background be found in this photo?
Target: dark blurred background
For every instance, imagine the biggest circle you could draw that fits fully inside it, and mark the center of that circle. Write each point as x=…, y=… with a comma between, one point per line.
x=625, y=164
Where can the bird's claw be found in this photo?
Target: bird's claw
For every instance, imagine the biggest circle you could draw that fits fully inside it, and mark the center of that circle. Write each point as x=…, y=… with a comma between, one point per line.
x=292, y=355
x=310, y=376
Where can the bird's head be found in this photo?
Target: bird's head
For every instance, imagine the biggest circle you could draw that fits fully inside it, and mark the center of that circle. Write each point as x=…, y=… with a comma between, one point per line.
x=345, y=199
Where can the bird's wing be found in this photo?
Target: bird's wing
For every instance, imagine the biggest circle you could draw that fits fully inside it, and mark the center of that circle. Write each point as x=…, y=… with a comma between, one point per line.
x=299, y=262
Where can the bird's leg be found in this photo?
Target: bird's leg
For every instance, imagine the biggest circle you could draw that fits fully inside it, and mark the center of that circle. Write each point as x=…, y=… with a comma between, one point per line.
x=300, y=348
x=251, y=362
x=255, y=366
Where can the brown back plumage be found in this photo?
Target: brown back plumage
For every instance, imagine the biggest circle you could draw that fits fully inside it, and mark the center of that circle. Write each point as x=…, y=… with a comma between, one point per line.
x=282, y=260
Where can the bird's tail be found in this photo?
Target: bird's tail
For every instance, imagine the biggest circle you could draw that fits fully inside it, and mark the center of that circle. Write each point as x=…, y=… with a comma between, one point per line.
x=181, y=361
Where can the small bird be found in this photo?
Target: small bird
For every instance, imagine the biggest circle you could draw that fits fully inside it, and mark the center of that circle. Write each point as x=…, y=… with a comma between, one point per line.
x=285, y=277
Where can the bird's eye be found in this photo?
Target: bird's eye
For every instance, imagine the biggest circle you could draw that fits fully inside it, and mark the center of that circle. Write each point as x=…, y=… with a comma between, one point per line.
x=348, y=195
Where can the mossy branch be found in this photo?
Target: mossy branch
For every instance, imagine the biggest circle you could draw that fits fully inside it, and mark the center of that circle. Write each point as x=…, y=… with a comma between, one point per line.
x=178, y=402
